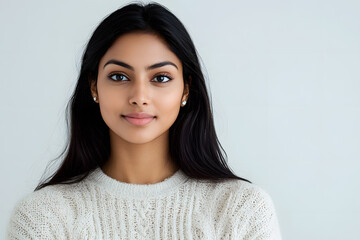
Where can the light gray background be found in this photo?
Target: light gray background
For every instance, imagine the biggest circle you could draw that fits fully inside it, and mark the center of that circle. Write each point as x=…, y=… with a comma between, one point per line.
x=285, y=85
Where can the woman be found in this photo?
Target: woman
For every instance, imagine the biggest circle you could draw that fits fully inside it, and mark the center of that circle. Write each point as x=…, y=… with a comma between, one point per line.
x=143, y=161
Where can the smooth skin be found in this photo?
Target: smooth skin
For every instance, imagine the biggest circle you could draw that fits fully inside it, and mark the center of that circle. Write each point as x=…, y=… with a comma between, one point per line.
x=139, y=154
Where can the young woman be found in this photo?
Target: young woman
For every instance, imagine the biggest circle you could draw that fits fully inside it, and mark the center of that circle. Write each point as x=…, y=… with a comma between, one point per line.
x=143, y=161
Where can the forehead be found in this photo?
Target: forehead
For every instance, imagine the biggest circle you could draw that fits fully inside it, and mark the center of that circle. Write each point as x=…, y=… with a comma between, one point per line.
x=140, y=49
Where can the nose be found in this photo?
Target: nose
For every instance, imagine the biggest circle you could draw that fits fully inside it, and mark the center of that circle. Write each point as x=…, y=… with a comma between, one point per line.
x=139, y=93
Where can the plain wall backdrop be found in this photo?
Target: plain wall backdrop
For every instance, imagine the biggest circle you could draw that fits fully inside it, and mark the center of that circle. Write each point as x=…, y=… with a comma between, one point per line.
x=284, y=81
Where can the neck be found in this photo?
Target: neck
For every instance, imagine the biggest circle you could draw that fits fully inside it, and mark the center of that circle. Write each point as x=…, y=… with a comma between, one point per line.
x=144, y=163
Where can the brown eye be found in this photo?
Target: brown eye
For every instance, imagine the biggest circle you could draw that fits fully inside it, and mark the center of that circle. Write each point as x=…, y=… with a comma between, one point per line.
x=118, y=77
x=162, y=78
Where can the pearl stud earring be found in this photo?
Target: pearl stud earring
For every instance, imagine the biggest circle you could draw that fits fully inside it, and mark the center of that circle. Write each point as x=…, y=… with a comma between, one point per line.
x=184, y=102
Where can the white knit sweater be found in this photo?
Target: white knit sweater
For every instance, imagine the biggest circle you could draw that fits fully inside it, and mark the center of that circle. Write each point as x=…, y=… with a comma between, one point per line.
x=100, y=207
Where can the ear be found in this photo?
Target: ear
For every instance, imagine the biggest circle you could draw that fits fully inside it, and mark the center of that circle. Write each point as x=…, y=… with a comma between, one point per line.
x=93, y=86
x=187, y=89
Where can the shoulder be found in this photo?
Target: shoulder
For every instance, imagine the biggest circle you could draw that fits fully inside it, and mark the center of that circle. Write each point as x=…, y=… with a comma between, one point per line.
x=245, y=208
x=243, y=198
x=54, y=196
x=244, y=194
x=249, y=195
x=40, y=200
x=40, y=213
x=54, y=200
x=252, y=210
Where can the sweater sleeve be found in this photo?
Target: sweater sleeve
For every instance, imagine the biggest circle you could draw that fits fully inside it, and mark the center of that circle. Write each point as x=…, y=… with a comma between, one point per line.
x=263, y=223
x=37, y=216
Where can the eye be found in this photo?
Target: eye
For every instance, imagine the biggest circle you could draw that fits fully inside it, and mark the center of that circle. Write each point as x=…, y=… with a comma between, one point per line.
x=118, y=77
x=162, y=78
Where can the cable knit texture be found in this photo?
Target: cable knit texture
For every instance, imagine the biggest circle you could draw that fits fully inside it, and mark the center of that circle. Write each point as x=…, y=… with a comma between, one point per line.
x=100, y=207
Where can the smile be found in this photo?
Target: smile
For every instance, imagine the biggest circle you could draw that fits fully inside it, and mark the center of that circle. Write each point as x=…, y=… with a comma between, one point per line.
x=138, y=121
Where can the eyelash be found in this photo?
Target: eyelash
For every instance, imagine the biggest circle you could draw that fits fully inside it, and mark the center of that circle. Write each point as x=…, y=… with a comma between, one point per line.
x=159, y=75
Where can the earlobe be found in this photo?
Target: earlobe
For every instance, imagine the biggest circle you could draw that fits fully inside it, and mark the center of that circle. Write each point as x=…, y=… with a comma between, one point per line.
x=186, y=92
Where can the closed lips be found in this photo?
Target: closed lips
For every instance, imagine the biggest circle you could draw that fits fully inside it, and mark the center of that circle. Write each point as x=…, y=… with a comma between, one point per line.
x=138, y=115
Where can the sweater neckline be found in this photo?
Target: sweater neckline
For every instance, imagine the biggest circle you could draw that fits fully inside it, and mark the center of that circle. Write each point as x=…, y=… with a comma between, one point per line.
x=139, y=191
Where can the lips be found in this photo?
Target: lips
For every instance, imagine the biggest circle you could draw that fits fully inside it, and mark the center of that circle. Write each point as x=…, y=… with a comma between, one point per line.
x=139, y=119
x=139, y=115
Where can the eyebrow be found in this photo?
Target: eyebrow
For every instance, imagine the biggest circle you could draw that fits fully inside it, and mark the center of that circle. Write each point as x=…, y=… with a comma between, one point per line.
x=156, y=65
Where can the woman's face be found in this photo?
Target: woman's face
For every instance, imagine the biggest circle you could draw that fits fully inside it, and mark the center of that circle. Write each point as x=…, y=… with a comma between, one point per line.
x=139, y=73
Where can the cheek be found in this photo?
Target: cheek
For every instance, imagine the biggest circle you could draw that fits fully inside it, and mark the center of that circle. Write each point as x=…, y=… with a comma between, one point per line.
x=111, y=103
x=168, y=105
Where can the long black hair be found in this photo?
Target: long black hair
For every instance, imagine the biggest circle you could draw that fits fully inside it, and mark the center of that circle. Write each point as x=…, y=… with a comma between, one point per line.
x=193, y=141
